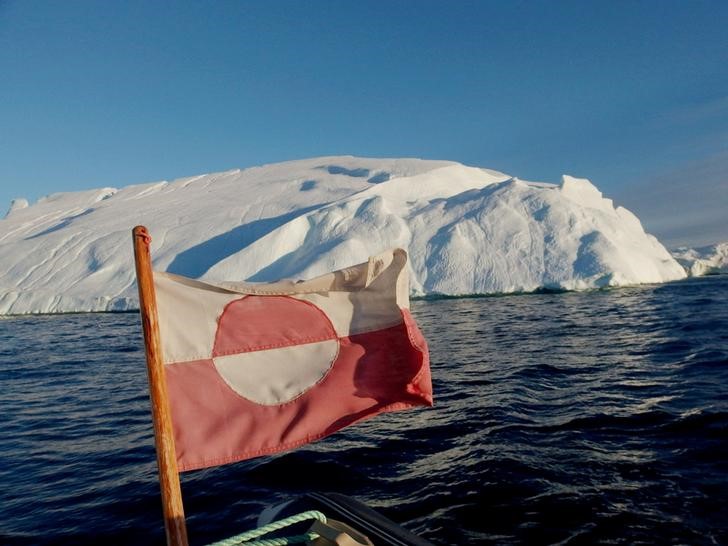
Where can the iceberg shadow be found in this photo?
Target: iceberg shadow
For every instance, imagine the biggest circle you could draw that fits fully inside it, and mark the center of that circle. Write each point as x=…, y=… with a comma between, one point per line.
x=60, y=225
x=588, y=262
x=195, y=261
x=297, y=260
x=336, y=169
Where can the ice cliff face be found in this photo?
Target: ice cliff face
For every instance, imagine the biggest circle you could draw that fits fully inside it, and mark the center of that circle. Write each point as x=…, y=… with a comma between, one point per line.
x=467, y=231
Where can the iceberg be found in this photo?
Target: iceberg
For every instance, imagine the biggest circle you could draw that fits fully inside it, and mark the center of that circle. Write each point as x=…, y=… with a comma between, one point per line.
x=706, y=260
x=468, y=230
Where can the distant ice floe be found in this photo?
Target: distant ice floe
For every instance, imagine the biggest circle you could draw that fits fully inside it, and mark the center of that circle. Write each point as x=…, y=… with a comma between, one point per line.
x=707, y=260
x=467, y=230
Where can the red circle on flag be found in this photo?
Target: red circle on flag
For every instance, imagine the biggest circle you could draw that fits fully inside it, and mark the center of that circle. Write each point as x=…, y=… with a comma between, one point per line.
x=272, y=349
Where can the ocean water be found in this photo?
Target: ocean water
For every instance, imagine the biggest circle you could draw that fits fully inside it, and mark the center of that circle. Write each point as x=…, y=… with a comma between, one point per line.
x=573, y=418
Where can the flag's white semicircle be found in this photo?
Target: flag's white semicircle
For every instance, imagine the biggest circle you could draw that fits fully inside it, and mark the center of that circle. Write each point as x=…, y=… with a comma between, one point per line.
x=277, y=376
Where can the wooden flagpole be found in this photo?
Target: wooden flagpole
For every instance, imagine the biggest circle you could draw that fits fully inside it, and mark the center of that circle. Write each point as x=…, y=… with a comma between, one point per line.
x=174, y=516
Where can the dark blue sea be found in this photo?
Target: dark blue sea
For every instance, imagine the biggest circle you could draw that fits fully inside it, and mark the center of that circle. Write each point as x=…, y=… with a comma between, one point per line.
x=573, y=418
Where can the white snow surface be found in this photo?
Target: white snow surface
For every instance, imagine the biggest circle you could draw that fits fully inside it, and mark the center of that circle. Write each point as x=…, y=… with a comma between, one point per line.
x=467, y=230
x=706, y=260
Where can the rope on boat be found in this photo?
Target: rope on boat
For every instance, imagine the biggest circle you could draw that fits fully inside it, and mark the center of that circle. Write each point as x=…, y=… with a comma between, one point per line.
x=249, y=538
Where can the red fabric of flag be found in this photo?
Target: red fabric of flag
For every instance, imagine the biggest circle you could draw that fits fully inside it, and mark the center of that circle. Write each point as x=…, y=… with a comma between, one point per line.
x=255, y=369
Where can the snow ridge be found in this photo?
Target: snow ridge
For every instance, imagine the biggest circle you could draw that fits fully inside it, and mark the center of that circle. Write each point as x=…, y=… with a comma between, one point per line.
x=467, y=230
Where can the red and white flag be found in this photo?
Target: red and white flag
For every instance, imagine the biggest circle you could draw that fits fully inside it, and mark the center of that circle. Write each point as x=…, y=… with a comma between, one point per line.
x=254, y=369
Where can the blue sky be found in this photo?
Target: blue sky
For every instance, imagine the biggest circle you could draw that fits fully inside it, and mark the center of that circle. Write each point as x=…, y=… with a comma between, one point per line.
x=631, y=94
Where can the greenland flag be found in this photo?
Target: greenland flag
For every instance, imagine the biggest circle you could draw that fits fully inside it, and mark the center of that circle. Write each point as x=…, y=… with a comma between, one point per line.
x=254, y=369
